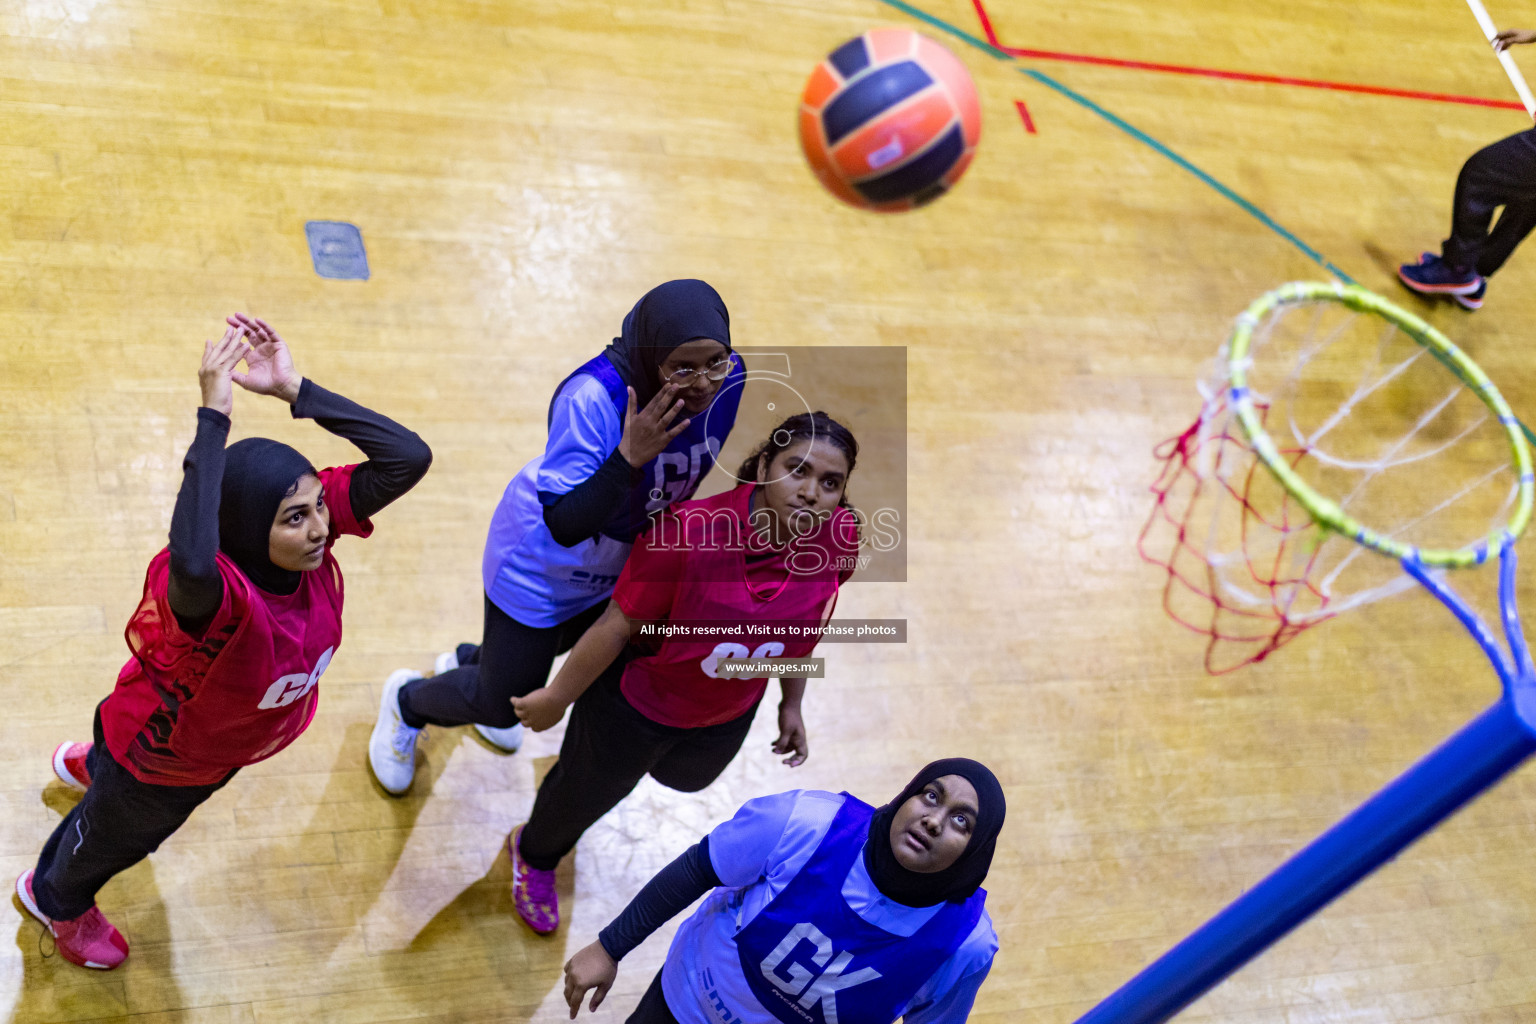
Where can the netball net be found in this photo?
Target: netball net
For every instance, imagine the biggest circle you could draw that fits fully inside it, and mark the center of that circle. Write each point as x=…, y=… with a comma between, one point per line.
x=1377, y=436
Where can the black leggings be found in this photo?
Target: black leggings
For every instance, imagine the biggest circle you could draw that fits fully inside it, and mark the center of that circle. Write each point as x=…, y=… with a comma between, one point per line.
x=652, y=1008
x=609, y=747
x=1503, y=174
x=118, y=823
x=513, y=660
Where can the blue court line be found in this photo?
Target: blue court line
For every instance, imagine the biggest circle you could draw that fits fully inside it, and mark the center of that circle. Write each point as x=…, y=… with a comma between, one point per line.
x=1131, y=130
x=1141, y=136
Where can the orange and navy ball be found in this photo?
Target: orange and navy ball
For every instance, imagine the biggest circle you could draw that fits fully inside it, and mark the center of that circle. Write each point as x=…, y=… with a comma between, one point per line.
x=890, y=120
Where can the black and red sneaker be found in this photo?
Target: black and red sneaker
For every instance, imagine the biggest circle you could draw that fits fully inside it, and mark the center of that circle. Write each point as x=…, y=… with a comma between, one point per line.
x=1434, y=276
x=89, y=940
x=69, y=764
x=1473, y=300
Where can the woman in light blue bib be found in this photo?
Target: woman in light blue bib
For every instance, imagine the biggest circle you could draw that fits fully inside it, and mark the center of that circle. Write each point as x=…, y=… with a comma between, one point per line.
x=631, y=431
x=824, y=910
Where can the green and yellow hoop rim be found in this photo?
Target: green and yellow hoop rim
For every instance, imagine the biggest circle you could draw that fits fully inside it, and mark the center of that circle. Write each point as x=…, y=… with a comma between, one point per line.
x=1325, y=511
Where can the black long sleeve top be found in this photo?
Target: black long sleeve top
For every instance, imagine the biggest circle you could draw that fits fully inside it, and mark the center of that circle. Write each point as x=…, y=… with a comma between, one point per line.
x=675, y=886
x=397, y=459
x=585, y=509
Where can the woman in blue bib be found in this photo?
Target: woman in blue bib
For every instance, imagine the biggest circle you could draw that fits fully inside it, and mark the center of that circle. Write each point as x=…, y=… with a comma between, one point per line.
x=824, y=911
x=630, y=432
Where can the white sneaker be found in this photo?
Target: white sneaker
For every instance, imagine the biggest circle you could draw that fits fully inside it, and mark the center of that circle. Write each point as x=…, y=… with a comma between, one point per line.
x=392, y=747
x=505, y=740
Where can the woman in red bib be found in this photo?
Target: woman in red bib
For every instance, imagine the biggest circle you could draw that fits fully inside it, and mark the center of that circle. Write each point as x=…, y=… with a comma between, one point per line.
x=751, y=574
x=240, y=616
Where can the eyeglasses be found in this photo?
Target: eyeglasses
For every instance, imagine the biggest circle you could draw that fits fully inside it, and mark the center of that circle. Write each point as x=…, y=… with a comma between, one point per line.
x=716, y=369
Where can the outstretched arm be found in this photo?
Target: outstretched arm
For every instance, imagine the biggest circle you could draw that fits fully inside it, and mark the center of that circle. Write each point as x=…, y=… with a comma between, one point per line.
x=663, y=898
x=397, y=458
x=195, y=587
x=1512, y=37
x=599, y=645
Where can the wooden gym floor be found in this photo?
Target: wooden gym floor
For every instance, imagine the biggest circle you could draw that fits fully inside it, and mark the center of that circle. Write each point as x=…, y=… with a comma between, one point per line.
x=521, y=173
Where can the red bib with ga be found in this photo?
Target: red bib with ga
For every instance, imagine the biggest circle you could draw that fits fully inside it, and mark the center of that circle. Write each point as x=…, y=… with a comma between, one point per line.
x=773, y=611
x=189, y=709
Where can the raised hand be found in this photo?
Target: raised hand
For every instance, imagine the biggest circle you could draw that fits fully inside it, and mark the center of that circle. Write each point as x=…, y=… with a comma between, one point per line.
x=269, y=366
x=590, y=968
x=648, y=432
x=1512, y=37
x=219, y=361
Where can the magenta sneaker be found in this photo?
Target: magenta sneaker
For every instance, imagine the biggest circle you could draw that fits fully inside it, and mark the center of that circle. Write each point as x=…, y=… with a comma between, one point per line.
x=89, y=940
x=69, y=765
x=533, y=891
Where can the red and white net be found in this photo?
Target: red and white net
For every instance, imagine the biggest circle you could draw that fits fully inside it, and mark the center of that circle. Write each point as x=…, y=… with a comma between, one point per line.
x=1370, y=420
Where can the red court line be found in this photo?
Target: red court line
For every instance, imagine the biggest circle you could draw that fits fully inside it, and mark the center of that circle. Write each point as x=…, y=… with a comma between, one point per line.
x=1237, y=76
x=986, y=24
x=1029, y=125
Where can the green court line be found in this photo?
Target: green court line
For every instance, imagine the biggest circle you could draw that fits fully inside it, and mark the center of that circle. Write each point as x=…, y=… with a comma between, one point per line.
x=1141, y=136
x=1131, y=130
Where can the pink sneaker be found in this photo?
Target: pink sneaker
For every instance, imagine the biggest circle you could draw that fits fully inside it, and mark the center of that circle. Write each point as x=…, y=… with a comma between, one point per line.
x=533, y=891
x=89, y=940
x=69, y=765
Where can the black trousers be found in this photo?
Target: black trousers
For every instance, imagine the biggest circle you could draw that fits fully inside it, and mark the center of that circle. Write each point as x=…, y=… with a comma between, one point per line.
x=1503, y=174
x=652, y=1008
x=513, y=660
x=609, y=747
x=118, y=823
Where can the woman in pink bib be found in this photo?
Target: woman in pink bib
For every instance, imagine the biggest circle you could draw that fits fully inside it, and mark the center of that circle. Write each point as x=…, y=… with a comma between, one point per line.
x=240, y=616
x=750, y=576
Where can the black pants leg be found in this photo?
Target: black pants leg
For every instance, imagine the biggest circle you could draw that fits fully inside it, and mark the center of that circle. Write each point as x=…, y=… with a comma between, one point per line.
x=609, y=747
x=513, y=661
x=1503, y=174
x=1514, y=223
x=698, y=756
x=118, y=823
x=652, y=1008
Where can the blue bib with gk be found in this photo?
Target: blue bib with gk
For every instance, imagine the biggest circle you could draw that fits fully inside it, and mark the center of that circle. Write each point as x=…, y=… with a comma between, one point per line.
x=673, y=475
x=810, y=959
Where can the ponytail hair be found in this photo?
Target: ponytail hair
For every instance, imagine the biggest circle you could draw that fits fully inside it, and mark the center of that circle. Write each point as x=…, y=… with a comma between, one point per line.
x=808, y=426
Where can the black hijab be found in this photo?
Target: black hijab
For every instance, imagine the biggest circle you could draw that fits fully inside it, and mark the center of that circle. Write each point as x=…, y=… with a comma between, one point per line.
x=957, y=882
x=667, y=316
x=257, y=475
